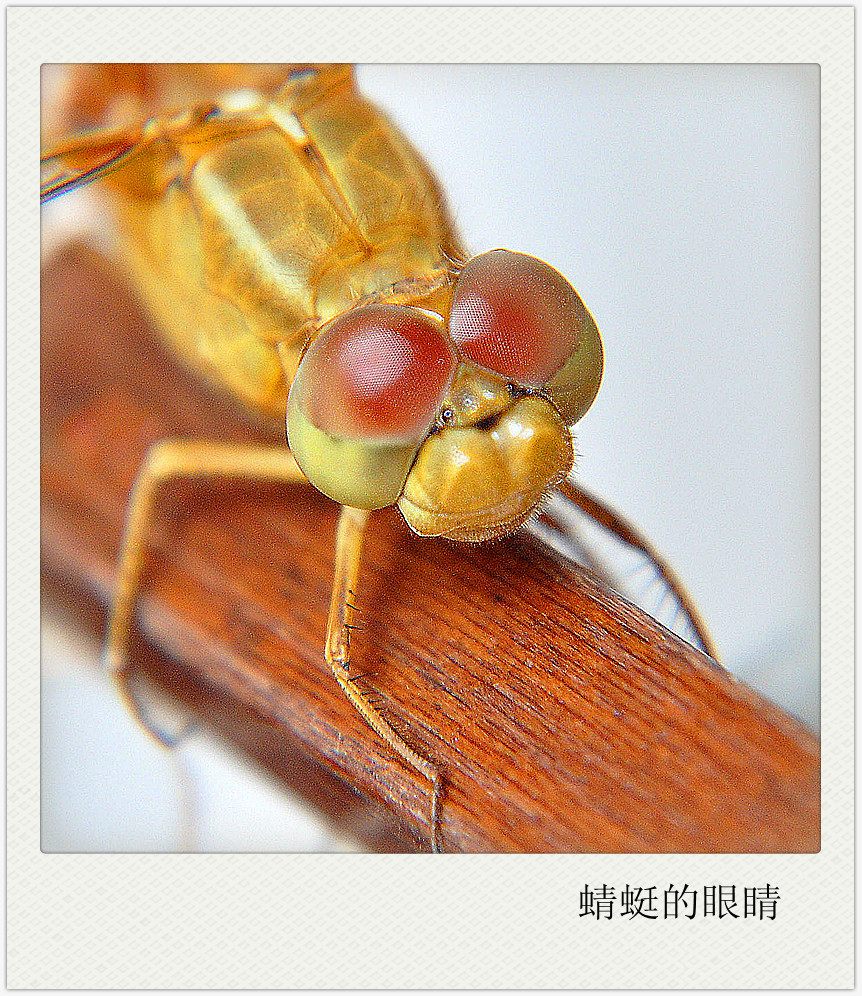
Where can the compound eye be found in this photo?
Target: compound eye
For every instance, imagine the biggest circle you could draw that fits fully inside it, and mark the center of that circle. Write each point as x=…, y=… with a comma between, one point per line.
x=519, y=317
x=364, y=397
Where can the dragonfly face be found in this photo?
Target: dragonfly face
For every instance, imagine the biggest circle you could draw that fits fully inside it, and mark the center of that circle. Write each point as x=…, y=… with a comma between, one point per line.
x=461, y=417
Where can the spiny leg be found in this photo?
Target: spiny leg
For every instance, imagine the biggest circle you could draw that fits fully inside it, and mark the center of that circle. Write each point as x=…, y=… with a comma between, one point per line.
x=348, y=550
x=166, y=461
x=625, y=531
x=173, y=459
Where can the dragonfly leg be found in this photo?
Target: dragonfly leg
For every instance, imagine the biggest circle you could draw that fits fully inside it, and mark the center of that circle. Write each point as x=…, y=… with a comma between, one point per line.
x=166, y=461
x=348, y=550
x=627, y=533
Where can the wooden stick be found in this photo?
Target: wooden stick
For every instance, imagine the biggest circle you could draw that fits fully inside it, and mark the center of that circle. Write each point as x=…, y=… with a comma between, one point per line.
x=563, y=718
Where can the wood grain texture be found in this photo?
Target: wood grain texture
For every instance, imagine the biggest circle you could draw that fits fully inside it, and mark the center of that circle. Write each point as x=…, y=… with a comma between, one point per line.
x=563, y=718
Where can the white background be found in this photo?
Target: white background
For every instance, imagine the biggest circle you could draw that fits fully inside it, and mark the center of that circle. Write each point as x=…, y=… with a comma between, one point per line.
x=682, y=202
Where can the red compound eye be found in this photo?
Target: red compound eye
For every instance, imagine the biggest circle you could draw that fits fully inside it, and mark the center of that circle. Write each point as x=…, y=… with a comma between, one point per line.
x=516, y=315
x=377, y=371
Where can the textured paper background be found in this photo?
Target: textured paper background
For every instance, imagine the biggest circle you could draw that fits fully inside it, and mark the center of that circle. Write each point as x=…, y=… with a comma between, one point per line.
x=285, y=921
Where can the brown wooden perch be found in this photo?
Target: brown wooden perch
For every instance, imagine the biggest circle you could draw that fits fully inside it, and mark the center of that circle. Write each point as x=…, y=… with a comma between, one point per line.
x=564, y=719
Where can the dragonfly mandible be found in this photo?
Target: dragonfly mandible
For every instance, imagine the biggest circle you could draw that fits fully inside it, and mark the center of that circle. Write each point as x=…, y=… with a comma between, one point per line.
x=296, y=252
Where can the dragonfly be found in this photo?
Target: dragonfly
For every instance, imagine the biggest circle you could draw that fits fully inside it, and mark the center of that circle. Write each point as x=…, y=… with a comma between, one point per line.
x=296, y=252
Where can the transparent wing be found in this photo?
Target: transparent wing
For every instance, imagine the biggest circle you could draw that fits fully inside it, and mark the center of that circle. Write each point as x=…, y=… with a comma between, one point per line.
x=190, y=104
x=81, y=159
x=582, y=528
x=84, y=159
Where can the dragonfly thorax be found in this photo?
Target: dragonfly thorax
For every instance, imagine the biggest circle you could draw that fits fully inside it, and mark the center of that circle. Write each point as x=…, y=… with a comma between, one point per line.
x=408, y=273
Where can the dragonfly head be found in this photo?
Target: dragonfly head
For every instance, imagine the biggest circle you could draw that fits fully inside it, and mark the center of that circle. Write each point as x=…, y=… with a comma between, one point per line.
x=463, y=419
